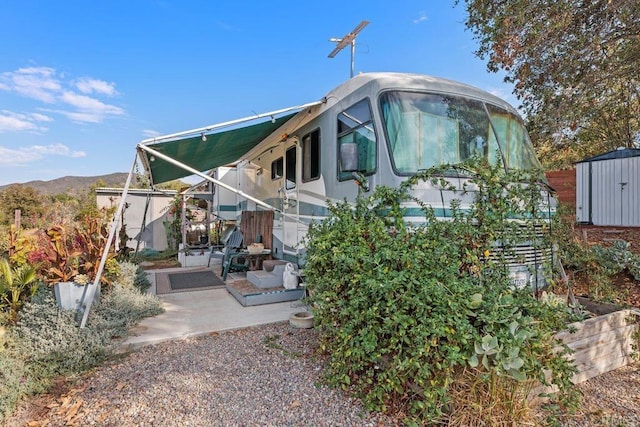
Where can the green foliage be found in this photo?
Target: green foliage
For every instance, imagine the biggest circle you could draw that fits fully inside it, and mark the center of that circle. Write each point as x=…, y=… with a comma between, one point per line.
x=47, y=341
x=17, y=283
x=173, y=228
x=15, y=381
x=25, y=198
x=588, y=102
x=594, y=265
x=407, y=310
x=133, y=275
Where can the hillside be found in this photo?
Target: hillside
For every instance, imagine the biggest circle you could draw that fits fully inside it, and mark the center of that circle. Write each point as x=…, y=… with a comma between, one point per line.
x=74, y=184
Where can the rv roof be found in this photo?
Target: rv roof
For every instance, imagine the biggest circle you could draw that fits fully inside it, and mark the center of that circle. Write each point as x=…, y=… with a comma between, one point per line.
x=419, y=82
x=200, y=150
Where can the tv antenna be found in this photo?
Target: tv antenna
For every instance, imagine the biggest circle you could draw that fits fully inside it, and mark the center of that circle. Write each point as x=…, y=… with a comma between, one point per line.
x=349, y=38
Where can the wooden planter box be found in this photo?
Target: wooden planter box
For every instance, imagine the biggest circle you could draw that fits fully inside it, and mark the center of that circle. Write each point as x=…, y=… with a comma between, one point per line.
x=603, y=343
x=600, y=344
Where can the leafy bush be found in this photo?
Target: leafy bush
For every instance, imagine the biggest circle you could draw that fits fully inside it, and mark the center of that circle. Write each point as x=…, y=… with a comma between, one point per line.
x=133, y=275
x=17, y=284
x=407, y=311
x=47, y=341
x=595, y=265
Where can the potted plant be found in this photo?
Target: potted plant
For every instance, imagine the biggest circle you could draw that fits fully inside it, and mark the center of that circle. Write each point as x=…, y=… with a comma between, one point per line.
x=69, y=258
x=59, y=260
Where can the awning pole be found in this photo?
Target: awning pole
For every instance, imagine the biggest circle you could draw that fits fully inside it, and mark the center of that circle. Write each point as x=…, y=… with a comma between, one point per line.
x=91, y=290
x=209, y=178
x=230, y=123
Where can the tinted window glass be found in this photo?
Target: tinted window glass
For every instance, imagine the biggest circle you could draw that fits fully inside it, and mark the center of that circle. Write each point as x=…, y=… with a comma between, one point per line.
x=291, y=168
x=355, y=125
x=311, y=156
x=277, y=168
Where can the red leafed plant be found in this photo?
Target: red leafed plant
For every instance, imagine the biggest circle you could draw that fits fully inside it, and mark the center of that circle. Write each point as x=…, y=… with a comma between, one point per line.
x=61, y=255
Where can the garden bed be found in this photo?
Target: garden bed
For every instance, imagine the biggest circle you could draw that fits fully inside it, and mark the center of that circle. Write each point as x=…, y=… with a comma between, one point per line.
x=602, y=343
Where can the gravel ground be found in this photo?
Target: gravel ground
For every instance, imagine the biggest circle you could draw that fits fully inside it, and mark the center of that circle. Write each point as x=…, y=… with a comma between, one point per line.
x=611, y=399
x=264, y=376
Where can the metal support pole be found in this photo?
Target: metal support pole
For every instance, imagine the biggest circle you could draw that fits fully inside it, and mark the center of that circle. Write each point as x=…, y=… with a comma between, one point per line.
x=353, y=55
x=90, y=293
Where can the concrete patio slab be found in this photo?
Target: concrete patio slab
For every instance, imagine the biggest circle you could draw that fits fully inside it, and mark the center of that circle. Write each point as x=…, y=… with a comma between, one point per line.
x=190, y=314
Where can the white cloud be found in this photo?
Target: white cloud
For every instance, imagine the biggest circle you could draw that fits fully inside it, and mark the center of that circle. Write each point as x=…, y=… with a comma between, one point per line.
x=57, y=150
x=86, y=103
x=151, y=133
x=88, y=109
x=38, y=83
x=24, y=155
x=17, y=157
x=18, y=122
x=89, y=85
x=78, y=100
x=41, y=117
x=421, y=18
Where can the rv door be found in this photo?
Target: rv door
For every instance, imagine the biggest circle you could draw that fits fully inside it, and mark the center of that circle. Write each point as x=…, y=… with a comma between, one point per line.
x=289, y=196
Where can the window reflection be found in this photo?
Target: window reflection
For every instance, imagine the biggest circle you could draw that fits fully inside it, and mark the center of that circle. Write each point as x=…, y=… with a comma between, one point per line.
x=426, y=130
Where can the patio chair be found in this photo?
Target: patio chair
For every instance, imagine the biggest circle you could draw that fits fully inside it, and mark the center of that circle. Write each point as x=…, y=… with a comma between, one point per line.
x=233, y=243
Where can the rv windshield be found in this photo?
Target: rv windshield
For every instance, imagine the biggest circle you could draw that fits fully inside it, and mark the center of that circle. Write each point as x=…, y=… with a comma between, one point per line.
x=425, y=130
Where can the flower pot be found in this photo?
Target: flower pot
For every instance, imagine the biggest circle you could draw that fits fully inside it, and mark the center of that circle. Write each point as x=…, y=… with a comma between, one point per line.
x=69, y=295
x=301, y=319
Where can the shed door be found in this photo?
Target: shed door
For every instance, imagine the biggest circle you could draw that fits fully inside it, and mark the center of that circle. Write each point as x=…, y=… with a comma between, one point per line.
x=616, y=192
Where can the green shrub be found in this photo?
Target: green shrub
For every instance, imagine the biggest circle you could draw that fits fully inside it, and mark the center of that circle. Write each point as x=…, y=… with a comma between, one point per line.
x=133, y=275
x=47, y=342
x=122, y=308
x=15, y=381
x=594, y=265
x=406, y=311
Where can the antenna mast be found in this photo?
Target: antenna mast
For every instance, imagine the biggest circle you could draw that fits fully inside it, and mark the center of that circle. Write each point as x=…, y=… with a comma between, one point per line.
x=349, y=38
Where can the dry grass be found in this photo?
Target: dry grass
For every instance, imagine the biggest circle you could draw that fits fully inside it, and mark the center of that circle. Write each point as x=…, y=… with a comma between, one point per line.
x=482, y=399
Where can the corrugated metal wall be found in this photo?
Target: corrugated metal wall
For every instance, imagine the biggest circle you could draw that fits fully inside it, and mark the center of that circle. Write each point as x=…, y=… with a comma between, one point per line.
x=608, y=192
x=583, y=207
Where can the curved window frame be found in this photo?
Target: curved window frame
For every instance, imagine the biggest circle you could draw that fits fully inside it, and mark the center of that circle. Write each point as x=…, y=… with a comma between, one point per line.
x=354, y=130
x=492, y=146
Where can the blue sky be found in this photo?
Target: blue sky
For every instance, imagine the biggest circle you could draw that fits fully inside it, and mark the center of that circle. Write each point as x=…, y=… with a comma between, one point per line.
x=82, y=82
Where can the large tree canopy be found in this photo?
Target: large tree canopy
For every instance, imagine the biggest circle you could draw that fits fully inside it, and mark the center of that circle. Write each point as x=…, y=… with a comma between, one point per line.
x=576, y=69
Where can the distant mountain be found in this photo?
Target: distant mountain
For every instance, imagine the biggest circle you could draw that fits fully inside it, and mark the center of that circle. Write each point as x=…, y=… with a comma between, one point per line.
x=74, y=184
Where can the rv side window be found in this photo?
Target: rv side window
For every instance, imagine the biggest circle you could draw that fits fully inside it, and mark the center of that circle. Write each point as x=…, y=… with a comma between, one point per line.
x=277, y=167
x=311, y=156
x=291, y=168
x=355, y=125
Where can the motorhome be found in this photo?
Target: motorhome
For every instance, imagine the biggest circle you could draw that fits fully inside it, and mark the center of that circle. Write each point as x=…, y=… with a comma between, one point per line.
x=374, y=129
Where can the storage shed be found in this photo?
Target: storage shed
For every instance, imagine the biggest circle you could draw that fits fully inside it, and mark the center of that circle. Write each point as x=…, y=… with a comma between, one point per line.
x=608, y=189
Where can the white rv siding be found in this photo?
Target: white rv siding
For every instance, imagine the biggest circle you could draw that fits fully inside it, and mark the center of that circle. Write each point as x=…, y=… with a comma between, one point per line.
x=611, y=190
x=225, y=201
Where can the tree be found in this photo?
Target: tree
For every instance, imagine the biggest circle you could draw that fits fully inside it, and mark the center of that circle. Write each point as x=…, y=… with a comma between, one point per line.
x=575, y=66
x=25, y=198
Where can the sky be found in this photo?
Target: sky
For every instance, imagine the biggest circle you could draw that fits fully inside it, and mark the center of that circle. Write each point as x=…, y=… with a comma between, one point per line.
x=82, y=82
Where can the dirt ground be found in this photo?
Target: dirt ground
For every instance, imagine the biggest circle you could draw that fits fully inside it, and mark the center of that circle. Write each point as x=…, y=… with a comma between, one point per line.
x=606, y=236
x=625, y=287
